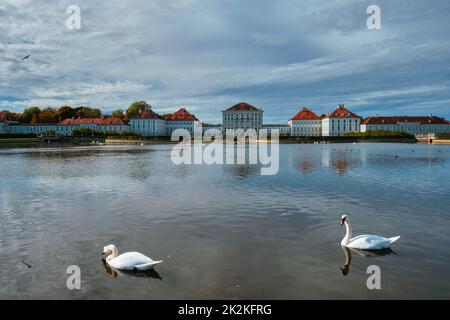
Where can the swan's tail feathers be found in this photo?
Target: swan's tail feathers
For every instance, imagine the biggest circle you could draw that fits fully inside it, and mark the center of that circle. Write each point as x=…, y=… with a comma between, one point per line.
x=157, y=262
x=148, y=266
x=393, y=239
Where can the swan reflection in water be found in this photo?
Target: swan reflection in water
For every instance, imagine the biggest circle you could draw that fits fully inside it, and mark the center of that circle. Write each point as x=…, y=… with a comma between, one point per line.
x=365, y=253
x=139, y=274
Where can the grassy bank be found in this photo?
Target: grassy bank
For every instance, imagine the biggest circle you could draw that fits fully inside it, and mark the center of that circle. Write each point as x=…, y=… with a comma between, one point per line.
x=19, y=140
x=443, y=136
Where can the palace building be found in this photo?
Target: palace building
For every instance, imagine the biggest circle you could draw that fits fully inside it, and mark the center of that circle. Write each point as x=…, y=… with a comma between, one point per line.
x=408, y=124
x=182, y=119
x=305, y=123
x=63, y=128
x=149, y=124
x=340, y=122
x=242, y=116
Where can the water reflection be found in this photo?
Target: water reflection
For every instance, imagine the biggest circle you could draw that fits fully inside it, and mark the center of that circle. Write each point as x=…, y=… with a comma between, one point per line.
x=54, y=153
x=348, y=260
x=306, y=165
x=365, y=253
x=152, y=273
x=339, y=158
x=243, y=170
x=374, y=253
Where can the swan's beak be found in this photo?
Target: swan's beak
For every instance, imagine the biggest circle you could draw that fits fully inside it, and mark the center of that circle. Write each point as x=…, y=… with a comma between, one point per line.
x=342, y=222
x=103, y=253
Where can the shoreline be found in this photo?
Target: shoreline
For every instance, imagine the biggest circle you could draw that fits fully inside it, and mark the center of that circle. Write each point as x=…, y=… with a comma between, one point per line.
x=281, y=141
x=36, y=141
x=441, y=142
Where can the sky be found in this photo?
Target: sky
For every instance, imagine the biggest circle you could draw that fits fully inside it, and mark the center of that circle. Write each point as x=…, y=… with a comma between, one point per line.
x=208, y=55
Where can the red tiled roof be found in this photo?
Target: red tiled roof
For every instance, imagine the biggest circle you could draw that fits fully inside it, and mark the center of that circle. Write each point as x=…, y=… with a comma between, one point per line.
x=148, y=114
x=399, y=119
x=243, y=106
x=98, y=121
x=305, y=114
x=182, y=115
x=341, y=112
x=37, y=124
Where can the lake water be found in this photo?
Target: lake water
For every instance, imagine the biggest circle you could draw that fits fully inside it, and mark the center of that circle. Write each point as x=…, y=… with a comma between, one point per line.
x=224, y=231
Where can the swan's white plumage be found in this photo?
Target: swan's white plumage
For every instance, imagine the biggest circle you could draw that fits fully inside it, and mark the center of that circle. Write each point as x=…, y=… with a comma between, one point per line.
x=370, y=242
x=365, y=242
x=128, y=260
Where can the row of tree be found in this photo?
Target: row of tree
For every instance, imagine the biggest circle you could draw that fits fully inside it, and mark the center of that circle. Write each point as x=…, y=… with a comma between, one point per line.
x=35, y=115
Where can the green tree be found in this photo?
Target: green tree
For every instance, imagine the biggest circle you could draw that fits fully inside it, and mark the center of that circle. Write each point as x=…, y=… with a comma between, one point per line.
x=30, y=114
x=135, y=107
x=49, y=133
x=65, y=112
x=166, y=116
x=12, y=116
x=48, y=115
x=86, y=112
x=119, y=113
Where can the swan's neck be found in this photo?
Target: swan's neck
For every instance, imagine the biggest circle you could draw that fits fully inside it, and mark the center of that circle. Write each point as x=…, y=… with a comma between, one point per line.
x=348, y=233
x=114, y=254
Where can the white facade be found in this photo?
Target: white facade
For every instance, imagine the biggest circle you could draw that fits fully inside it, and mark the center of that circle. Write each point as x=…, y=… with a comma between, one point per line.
x=65, y=130
x=377, y=127
x=242, y=116
x=335, y=127
x=105, y=127
x=149, y=124
x=307, y=128
x=62, y=129
x=418, y=128
x=305, y=123
x=188, y=125
x=412, y=125
x=283, y=129
x=208, y=126
x=340, y=122
x=149, y=127
x=182, y=119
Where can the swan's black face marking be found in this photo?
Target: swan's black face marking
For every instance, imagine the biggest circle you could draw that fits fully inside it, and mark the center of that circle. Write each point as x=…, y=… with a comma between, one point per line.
x=343, y=220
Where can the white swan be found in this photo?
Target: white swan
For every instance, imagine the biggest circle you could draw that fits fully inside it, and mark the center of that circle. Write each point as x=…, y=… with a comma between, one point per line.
x=128, y=260
x=364, y=242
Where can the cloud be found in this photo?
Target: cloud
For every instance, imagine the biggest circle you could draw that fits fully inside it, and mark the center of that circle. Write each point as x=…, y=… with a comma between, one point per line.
x=86, y=90
x=208, y=55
